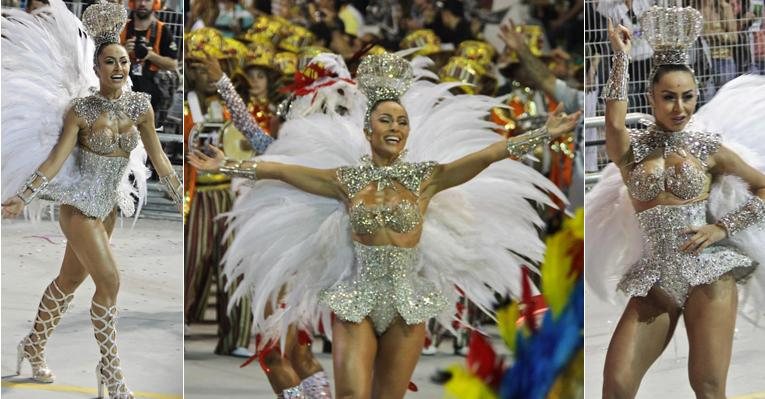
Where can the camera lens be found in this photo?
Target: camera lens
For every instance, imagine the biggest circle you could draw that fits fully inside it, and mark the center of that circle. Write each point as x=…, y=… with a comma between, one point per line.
x=140, y=48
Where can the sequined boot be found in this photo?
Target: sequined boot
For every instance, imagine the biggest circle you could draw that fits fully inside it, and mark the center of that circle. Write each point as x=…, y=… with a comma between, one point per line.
x=52, y=306
x=292, y=393
x=108, y=372
x=316, y=386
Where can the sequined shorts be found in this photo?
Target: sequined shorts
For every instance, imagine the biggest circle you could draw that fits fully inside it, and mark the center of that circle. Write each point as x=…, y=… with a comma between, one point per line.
x=665, y=266
x=384, y=284
x=95, y=191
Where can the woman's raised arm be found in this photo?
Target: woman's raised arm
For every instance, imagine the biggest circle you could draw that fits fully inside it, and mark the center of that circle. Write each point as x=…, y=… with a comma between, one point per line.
x=322, y=182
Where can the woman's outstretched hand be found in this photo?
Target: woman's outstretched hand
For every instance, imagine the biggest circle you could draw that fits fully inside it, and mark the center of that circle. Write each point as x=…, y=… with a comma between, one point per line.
x=620, y=37
x=13, y=207
x=703, y=237
x=559, y=123
x=207, y=163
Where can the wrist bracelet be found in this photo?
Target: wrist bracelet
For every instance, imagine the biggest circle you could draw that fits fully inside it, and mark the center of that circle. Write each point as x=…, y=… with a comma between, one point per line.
x=747, y=215
x=616, y=86
x=173, y=187
x=239, y=169
x=519, y=146
x=30, y=185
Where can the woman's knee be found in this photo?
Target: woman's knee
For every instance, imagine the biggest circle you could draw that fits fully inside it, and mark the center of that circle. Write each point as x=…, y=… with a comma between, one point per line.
x=619, y=384
x=69, y=282
x=107, y=281
x=353, y=390
x=707, y=385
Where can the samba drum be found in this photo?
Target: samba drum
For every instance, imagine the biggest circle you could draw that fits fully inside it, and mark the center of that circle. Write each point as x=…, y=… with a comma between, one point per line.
x=235, y=144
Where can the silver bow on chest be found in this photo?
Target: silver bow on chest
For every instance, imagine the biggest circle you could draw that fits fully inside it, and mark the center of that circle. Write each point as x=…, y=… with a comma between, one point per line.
x=410, y=175
x=699, y=144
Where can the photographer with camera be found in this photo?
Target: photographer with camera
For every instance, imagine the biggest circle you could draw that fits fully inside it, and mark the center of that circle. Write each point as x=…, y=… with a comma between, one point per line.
x=152, y=50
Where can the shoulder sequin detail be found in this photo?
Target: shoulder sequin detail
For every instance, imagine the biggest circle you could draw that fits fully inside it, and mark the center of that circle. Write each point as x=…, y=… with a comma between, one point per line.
x=410, y=175
x=699, y=144
x=131, y=104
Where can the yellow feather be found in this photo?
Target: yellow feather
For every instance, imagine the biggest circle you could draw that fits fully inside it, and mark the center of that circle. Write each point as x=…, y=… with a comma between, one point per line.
x=464, y=385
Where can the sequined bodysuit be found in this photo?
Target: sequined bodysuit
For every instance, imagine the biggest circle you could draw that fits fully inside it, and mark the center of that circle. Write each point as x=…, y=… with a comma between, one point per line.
x=664, y=227
x=385, y=280
x=102, y=155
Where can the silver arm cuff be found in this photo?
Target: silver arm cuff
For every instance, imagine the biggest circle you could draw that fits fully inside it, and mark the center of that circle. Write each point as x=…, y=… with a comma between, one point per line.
x=33, y=189
x=616, y=87
x=750, y=214
x=173, y=187
x=244, y=169
x=519, y=146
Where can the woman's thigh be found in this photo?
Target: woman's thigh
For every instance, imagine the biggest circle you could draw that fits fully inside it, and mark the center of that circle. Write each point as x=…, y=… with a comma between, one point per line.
x=354, y=346
x=89, y=240
x=398, y=351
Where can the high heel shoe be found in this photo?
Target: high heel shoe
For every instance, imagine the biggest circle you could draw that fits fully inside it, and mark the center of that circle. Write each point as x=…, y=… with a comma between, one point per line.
x=108, y=371
x=295, y=392
x=316, y=386
x=53, y=305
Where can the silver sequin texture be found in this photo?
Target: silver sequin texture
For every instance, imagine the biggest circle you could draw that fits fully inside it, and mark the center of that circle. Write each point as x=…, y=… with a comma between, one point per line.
x=662, y=264
x=752, y=213
x=383, y=77
x=94, y=191
x=699, y=144
x=671, y=31
x=616, y=86
x=385, y=284
x=401, y=218
x=687, y=183
x=410, y=175
x=130, y=104
x=241, y=117
x=104, y=22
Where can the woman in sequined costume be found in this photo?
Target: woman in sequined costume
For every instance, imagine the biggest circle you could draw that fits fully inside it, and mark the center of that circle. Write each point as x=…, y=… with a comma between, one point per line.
x=382, y=306
x=684, y=268
x=100, y=136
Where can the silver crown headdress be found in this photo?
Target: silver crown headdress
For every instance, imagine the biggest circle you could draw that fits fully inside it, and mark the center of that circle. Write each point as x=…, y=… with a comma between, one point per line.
x=104, y=21
x=381, y=78
x=671, y=32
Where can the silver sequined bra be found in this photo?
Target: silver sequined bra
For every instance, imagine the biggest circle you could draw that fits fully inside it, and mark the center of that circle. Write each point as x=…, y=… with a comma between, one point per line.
x=384, y=283
x=685, y=180
x=402, y=217
x=663, y=265
x=94, y=188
